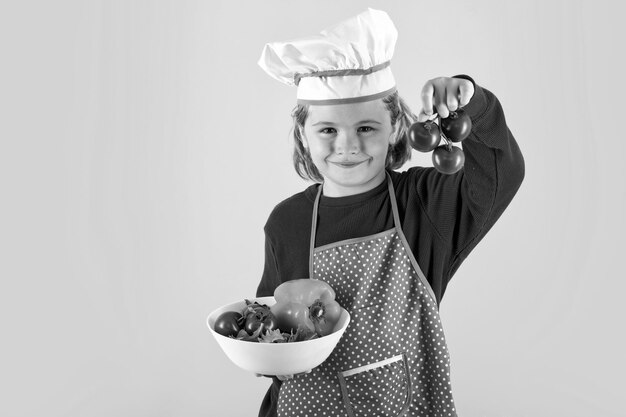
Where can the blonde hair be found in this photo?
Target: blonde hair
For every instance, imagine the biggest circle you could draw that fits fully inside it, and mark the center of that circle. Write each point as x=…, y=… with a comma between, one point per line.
x=398, y=153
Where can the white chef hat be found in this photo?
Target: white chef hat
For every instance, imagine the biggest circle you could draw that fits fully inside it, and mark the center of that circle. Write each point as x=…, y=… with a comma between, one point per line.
x=346, y=63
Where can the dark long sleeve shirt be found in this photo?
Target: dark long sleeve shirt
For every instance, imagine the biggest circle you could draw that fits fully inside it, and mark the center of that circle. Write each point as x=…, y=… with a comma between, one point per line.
x=443, y=216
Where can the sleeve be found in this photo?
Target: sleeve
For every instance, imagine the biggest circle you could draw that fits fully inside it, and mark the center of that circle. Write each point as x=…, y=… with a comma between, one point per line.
x=464, y=206
x=271, y=276
x=269, y=281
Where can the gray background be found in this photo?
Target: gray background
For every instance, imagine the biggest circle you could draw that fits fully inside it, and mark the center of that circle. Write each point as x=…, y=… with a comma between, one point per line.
x=142, y=150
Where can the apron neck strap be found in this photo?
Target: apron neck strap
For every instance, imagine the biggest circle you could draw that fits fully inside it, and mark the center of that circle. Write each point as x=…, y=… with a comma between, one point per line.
x=316, y=203
x=394, y=203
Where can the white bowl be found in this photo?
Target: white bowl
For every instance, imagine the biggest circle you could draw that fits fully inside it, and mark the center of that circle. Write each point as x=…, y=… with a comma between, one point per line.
x=276, y=358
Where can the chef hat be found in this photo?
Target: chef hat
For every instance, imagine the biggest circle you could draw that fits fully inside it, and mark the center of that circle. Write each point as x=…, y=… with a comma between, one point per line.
x=346, y=63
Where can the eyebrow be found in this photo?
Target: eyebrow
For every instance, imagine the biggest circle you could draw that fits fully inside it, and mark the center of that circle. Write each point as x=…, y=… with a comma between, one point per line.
x=362, y=122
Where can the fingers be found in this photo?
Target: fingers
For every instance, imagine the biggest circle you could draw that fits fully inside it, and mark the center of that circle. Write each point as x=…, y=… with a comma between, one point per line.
x=440, y=100
x=433, y=96
x=452, y=98
x=446, y=95
x=422, y=117
x=427, y=98
x=288, y=377
x=466, y=92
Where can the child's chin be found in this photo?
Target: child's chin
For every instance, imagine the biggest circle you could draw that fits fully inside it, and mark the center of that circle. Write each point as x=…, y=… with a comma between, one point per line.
x=354, y=180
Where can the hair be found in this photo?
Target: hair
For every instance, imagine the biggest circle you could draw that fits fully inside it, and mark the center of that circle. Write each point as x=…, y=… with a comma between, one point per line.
x=397, y=154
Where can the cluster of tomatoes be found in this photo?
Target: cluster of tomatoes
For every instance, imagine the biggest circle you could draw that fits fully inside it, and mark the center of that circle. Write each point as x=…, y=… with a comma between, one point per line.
x=247, y=324
x=426, y=137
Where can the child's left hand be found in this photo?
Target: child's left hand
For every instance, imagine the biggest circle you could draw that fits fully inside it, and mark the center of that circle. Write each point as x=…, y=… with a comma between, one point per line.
x=285, y=377
x=446, y=94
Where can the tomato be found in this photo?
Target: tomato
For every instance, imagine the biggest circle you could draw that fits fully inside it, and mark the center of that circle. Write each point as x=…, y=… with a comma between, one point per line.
x=424, y=137
x=457, y=126
x=228, y=323
x=258, y=316
x=448, y=159
x=306, y=302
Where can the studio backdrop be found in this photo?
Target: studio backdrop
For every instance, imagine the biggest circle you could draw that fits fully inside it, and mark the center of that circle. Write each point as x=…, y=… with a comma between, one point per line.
x=142, y=150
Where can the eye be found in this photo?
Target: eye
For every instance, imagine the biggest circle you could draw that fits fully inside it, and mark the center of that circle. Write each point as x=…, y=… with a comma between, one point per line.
x=366, y=129
x=328, y=131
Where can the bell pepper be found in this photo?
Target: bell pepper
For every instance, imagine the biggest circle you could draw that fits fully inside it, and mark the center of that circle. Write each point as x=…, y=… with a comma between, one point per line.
x=306, y=303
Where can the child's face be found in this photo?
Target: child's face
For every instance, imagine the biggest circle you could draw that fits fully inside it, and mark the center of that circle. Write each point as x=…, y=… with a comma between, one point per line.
x=348, y=145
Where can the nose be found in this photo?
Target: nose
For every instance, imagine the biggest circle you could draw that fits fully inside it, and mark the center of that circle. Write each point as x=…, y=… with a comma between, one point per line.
x=347, y=143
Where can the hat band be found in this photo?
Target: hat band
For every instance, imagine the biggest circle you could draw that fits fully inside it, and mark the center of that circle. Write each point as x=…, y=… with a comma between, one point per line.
x=359, y=99
x=346, y=88
x=341, y=72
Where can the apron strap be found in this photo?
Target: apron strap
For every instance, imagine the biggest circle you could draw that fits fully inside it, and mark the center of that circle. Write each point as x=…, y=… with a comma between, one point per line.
x=316, y=205
x=394, y=203
x=405, y=242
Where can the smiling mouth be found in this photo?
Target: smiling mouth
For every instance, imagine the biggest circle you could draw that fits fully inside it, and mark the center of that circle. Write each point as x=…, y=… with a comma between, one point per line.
x=348, y=164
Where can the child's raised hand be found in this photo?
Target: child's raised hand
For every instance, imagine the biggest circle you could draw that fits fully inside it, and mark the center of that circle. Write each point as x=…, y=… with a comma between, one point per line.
x=445, y=94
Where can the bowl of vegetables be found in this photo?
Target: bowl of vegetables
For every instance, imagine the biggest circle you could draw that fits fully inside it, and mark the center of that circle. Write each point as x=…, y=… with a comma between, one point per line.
x=290, y=333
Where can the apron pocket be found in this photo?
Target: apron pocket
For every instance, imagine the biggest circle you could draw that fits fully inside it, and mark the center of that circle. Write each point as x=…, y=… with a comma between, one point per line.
x=378, y=389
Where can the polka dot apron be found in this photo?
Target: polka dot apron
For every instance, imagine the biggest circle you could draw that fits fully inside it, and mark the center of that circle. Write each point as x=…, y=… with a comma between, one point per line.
x=393, y=359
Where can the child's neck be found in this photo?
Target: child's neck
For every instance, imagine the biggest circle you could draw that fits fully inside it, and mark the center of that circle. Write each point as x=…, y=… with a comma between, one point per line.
x=333, y=189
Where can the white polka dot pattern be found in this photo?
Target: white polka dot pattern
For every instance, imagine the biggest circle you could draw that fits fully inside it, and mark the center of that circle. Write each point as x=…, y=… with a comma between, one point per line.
x=392, y=313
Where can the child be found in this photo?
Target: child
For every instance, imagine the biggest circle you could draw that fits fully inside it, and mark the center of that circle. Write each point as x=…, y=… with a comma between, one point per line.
x=388, y=242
